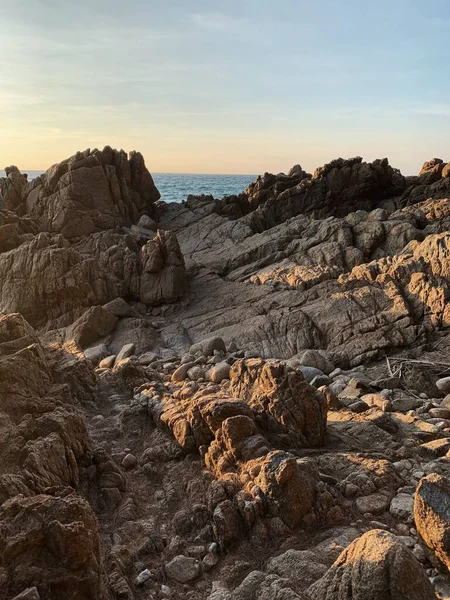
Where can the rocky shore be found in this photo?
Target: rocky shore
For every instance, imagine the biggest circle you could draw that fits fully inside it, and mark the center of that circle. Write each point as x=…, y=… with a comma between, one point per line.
x=226, y=399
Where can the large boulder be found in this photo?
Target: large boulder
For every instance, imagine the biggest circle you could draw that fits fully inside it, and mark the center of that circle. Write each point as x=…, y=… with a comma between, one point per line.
x=376, y=566
x=432, y=515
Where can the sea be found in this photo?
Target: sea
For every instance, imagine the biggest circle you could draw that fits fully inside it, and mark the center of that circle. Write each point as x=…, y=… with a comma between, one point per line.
x=175, y=187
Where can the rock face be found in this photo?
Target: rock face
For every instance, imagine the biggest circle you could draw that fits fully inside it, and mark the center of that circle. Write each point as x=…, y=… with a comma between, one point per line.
x=374, y=567
x=432, y=515
x=54, y=540
x=72, y=241
x=48, y=533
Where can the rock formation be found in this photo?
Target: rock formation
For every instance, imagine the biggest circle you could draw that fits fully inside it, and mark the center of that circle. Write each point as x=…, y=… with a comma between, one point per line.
x=225, y=399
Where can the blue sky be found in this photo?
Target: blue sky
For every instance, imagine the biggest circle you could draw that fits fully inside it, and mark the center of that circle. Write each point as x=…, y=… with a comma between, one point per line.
x=226, y=87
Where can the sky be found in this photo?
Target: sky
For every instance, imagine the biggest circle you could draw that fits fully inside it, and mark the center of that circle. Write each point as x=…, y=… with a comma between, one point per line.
x=225, y=87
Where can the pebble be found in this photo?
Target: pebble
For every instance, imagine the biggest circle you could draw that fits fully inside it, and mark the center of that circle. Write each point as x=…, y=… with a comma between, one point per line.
x=126, y=351
x=108, y=362
x=129, y=462
x=183, y=568
x=143, y=577
x=219, y=372
x=402, y=508
x=209, y=561
x=309, y=373
x=443, y=385
x=373, y=504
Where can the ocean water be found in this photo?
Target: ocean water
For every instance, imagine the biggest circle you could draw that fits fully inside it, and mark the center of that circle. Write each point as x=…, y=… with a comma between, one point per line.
x=175, y=187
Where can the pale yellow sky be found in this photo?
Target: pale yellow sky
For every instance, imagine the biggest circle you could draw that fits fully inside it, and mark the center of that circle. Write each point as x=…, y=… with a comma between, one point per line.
x=212, y=87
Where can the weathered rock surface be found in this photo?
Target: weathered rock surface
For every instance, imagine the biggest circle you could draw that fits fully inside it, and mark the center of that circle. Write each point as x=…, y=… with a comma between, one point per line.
x=218, y=398
x=432, y=515
x=374, y=567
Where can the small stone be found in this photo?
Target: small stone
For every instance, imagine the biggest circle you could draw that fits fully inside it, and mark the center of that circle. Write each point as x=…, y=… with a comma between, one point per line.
x=232, y=347
x=443, y=385
x=129, y=462
x=210, y=561
x=180, y=374
x=436, y=448
x=402, y=508
x=439, y=413
x=335, y=373
x=208, y=346
x=126, y=351
x=377, y=400
x=108, y=362
x=350, y=490
x=196, y=373
x=310, y=372
x=166, y=591
x=219, y=372
x=147, y=358
x=358, y=407
x=119, y=308
x=320, y=380
x=183, y=569
x=373, y=504
x=96, y=353
x=407, y=540
x=419, y=553
x=143, y=577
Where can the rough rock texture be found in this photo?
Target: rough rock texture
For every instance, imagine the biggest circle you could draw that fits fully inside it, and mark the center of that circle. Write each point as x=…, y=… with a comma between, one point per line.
x=374, y=567
x=51, y=542
x=432, y=515
x=91, y=191
x=215, y=399
x=283, y=399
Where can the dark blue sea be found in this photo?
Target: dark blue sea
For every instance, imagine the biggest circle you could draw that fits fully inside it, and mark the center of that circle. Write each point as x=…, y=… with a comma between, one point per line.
x=175, y=187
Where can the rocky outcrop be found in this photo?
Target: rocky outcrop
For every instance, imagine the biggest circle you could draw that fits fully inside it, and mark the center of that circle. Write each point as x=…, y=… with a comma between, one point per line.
x=282, y=400
x=374, y=567
x=90, y=191
x=51, y=542
x=163, y=277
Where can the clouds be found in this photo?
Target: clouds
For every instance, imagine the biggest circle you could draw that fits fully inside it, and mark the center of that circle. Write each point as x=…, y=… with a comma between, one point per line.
x=220, y=22
x=188, y=82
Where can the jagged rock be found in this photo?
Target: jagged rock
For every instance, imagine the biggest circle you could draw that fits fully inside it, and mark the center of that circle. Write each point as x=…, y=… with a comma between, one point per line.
x=163, y=278
x=432, y=517
x=374, y=566
x=55, y=541
x=49, y=282
x=91, y=191
x=283, y=398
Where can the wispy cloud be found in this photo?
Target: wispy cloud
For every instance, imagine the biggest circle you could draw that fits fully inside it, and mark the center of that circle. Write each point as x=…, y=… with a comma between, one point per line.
x=221, y=22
